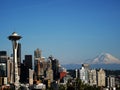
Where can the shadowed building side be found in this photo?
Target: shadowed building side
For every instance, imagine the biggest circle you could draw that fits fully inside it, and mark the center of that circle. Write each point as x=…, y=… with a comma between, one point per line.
x=19, y=58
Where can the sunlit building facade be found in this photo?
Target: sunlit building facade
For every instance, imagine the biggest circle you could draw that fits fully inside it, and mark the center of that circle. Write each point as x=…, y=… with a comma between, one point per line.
x=101, y=77
x=84, y=73
x=39, y=64
x=111, y=81
x=93, y=77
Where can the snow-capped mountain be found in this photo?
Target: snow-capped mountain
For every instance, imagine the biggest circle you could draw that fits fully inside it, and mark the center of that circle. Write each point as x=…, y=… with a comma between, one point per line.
x=104, y=58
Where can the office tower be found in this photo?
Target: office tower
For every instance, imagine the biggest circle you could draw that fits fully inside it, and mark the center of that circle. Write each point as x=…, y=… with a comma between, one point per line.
x=3, y=67
x=31, y=76
x=84, y=73
x=10, y=69
x=14, y=38
x=39, y=64
x=101, y=77
x=27, y=65
x=55, y=68
x=24, y=72
x=42, y=66
x=49, y=71
x=117, y=81
x=93, y=77
x=19, y=57
x=37, y=53
x=111, y=81
x=3, y=53
x=6, y=63
x=28, y=61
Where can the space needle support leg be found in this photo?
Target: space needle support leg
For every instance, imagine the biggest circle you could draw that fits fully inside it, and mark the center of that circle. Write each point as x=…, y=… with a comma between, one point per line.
x=16, y=77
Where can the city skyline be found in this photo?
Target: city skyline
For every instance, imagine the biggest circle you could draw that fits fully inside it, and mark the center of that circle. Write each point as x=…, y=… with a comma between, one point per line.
x=69, y=30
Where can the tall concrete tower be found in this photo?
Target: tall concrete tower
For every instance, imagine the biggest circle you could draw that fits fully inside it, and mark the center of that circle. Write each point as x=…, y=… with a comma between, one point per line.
x=14, y=38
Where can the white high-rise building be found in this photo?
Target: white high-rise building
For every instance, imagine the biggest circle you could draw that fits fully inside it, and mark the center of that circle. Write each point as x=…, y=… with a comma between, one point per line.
x=92, y=77
x=84, y=73
x=110, y=81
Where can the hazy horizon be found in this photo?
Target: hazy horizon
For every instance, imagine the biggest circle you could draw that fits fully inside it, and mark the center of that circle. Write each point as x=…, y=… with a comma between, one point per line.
x=70, y=30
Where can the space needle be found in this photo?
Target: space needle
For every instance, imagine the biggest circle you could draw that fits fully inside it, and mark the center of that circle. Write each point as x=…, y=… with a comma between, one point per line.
x=14, y=38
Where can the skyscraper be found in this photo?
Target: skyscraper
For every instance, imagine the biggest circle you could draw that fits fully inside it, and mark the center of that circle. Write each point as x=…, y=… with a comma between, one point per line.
x=31, y=76
x=101, y=77
x=10, y=69
x=3, y=66
x=39, y=64
x=84, y=73
x=93, y=77
x=28, y=61
x=19, y=57
x=3, y=53
x=111, y=81
x=27, y=64
x=49, y=71
x=55, y=68
x=37, y=53
x=24, y=73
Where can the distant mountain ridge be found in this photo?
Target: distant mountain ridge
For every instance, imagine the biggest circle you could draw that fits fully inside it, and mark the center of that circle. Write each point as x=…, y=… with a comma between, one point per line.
x=104, y=58
x=93, y=66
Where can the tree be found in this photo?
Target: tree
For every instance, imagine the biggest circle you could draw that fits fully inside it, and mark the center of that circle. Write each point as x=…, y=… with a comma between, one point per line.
x=70, y=85
x=62, y=87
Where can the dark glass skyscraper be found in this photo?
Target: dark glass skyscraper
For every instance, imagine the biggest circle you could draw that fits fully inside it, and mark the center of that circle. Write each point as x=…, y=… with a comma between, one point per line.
x=19, y=57
x=27, y=64
x=28, y=61
x=3, y=53
x=3, y=64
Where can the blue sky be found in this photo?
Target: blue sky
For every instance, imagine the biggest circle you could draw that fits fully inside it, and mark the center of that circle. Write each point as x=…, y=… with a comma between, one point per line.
x=70, y=30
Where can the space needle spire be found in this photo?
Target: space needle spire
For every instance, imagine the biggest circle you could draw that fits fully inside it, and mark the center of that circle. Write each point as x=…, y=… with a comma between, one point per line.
x=14, y=38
